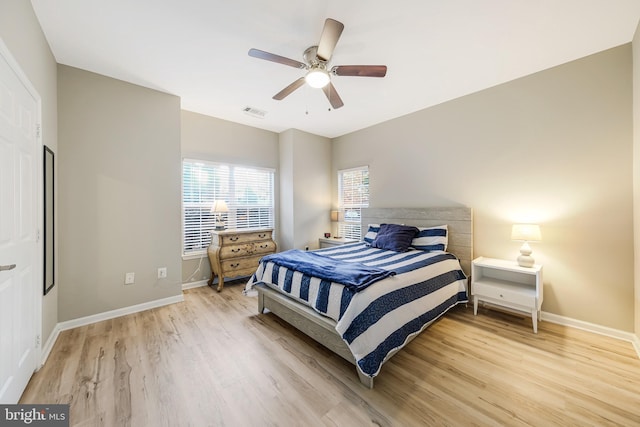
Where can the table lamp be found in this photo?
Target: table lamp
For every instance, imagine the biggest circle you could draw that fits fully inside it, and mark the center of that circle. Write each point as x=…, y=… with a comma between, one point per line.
x=219, y=207
x=526, y=233
x=336, y=216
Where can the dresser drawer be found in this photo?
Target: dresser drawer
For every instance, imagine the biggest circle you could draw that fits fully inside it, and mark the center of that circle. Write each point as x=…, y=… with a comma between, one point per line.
x=240, y=266
x=234, y=239
x=505, y=292
x=247, y=249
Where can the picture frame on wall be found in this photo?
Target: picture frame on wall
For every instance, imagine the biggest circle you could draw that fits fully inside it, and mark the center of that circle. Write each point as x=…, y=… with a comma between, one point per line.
x=49, y=220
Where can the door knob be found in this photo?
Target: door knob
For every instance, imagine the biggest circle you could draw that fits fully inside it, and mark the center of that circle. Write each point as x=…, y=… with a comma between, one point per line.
x=7, y=267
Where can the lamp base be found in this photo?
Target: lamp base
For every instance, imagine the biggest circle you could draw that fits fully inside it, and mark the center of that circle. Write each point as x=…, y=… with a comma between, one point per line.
x=526, y=261
x=220, y=226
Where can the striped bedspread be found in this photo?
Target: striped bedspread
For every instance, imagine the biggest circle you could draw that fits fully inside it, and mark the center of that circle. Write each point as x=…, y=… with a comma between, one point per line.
x=379, y=320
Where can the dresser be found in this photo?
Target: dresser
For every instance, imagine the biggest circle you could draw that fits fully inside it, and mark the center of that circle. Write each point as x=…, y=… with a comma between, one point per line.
x=235, y=253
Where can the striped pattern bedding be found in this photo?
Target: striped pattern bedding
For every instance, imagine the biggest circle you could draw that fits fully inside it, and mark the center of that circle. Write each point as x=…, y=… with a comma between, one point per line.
x=381, y=319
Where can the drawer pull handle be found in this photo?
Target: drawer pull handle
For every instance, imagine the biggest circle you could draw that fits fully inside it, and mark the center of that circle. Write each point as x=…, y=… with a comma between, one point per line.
x=233, y=238
x=235, y=265
x=236, y=250
x=262, y=236
x=501, y=296
x=264, y=246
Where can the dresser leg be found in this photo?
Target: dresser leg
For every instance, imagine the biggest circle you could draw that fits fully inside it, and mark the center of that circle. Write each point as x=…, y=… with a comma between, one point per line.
x=220, y=283
x=475, y=306
x=534, y=319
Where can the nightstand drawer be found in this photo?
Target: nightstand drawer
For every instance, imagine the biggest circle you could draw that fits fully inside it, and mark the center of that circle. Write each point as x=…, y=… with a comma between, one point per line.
x=506, y=292
x=252, y=248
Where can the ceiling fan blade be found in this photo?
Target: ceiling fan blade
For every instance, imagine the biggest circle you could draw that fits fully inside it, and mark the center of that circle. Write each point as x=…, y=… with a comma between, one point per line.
x=360, y=70
x=261, y=54
x=332, y=96
x=287, y=90
x=329, y=38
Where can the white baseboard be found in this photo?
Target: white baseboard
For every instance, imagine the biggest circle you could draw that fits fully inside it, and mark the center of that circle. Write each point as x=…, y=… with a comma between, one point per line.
x=636, y=344
x=592, y=327
x=82, y=321
x=198, y=284
x=46, y=348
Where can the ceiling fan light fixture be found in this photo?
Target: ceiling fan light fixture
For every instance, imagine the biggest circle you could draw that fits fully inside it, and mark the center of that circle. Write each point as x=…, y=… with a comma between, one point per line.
x=317, y=78
x=316, y=62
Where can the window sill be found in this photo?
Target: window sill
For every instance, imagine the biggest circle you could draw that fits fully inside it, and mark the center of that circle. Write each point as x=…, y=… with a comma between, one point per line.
x=194, y=255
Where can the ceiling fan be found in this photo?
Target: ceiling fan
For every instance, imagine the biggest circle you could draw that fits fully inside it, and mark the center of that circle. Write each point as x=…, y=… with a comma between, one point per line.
x=316, y=62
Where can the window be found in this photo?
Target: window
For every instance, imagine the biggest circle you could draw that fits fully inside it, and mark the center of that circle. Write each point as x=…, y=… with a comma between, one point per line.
x=353, y=194
x=248, y=192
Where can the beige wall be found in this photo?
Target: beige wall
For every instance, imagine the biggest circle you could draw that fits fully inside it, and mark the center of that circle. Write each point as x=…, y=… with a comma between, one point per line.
x=286, y=208
x=636, y=172
x=552, y=148
x=216, y=140
x=21, y=33
x=305, y=187
x=119, y=170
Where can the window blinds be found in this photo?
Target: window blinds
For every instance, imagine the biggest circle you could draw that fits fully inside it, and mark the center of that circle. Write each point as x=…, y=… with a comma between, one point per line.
x=353, y=194
x=248, y=192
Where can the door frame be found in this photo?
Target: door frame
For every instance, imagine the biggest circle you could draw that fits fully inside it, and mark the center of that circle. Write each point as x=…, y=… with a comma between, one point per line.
x=38, y=194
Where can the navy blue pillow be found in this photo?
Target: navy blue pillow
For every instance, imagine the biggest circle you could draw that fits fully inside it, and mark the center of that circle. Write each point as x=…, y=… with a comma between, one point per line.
x=394, y=237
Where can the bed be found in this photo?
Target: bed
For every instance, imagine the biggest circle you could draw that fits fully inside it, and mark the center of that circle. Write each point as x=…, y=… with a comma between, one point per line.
x=394, y=295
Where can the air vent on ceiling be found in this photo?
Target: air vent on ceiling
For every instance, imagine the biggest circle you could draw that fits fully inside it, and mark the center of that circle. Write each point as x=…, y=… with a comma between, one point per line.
x=255, y=112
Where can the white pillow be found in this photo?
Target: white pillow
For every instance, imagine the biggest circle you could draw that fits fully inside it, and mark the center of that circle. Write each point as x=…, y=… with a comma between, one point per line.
x=431, y=238
x=372, y=232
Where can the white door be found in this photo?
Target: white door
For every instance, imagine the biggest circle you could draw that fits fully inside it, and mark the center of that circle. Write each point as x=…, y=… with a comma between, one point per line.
x=20, y=266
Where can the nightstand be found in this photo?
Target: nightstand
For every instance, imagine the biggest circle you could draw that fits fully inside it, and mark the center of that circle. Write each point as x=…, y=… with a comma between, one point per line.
x=506, y=284
x=330, y=242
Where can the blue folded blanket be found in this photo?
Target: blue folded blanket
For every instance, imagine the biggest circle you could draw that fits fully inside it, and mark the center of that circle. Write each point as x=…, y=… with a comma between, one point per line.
x=354, y=275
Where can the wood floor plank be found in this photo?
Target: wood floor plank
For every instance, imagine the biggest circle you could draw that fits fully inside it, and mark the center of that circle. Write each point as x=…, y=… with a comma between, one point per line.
x=213, y=361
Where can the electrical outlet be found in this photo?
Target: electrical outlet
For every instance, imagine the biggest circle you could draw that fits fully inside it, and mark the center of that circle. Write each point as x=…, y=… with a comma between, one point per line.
x=162, y=273
x=129, y=278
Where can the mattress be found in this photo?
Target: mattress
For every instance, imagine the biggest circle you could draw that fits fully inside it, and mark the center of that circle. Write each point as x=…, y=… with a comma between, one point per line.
x=379, y=319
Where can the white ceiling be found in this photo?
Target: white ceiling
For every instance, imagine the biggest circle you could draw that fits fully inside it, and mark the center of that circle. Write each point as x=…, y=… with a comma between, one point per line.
x=435, y=50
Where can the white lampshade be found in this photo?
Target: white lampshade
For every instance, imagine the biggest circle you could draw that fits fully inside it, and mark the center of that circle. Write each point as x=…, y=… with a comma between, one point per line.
x=526, y=233
x=337, y=216
x=219, y=206
x=317, y=78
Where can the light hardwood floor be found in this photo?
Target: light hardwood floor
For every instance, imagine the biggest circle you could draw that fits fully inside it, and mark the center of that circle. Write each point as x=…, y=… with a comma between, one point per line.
x=212, y=361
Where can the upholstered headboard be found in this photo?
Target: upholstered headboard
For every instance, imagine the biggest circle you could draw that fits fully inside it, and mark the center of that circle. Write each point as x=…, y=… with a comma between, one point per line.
x=458, y=219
